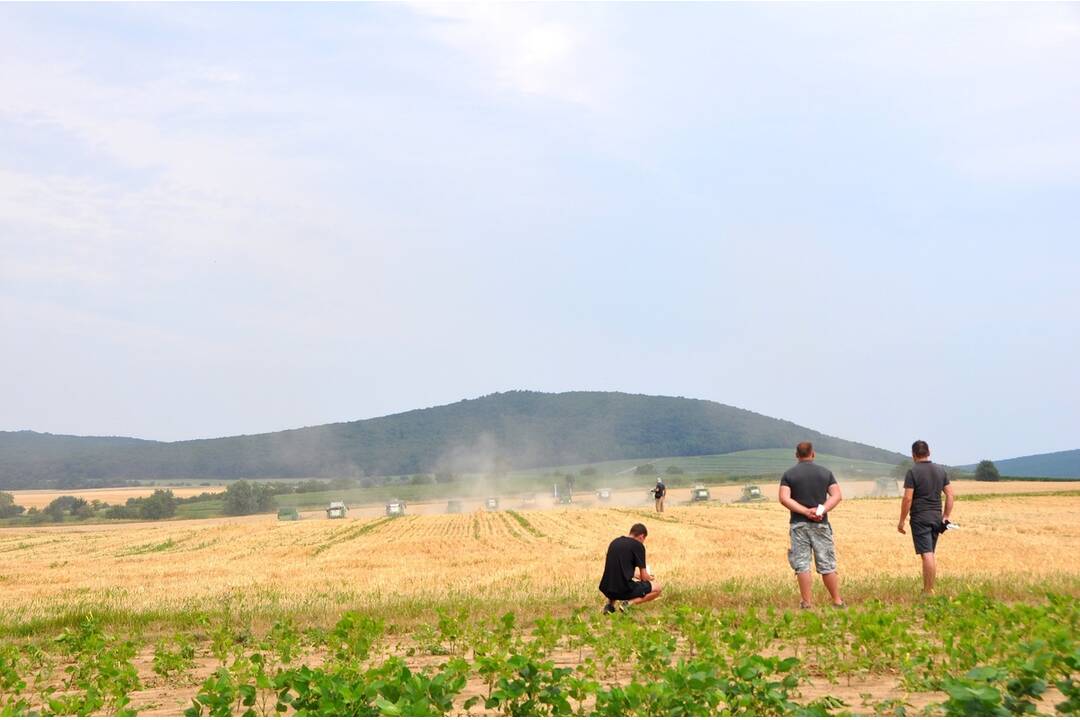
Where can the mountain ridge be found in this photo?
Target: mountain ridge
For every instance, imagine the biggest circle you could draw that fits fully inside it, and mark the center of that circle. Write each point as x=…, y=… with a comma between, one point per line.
x=518, y=429
x=1059, y=464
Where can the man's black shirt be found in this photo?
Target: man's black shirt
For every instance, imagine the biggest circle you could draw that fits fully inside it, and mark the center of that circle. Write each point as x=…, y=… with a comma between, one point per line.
x=928, y=480
x=809, y=485
x=624, y=555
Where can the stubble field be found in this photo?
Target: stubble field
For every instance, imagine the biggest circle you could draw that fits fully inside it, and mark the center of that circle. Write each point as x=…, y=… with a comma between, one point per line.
x=407, y=575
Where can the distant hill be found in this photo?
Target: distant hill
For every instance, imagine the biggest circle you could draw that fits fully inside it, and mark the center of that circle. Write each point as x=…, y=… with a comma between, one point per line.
x=500, y=432
x=1064, y=464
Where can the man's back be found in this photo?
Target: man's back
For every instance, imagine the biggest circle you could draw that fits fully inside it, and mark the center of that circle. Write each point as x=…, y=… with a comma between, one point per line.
x=809, y=485
x=928, y=480
x=624, y=555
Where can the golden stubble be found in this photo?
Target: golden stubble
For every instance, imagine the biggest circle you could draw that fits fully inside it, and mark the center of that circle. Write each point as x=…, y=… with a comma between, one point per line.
x=163, y=566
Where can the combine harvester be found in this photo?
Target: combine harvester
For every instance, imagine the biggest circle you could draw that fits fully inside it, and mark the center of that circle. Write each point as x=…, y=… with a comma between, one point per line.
x=750, y=493
x=700, y=493
x=603, y=494
x=395, y=508
x=491, y=504
x=336, y=510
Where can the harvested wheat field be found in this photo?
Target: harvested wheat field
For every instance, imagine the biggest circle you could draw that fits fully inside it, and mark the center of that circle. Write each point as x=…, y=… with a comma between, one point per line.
x=497, y=613
x=543, y=558
x=113, y=496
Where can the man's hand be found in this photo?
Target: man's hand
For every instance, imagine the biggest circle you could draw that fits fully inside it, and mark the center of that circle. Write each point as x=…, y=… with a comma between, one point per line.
x=900, y=528
x=811, y=515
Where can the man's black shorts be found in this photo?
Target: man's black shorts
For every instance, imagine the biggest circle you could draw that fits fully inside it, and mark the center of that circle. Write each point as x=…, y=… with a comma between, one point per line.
x=637, y=590
x=925, y=536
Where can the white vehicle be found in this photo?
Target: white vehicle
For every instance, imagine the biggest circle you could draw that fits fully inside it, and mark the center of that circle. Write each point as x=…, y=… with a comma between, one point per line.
x=492, y=503
x=336, y=510
x=395, y=508
x=603, y=494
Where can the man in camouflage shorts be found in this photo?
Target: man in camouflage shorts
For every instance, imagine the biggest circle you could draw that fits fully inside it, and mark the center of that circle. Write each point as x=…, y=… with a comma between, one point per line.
x=804, y=489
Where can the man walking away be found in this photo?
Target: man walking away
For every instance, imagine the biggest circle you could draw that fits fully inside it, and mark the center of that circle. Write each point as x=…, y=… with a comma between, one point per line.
x=804, y=489
x=660, y=492
x=923, y=485
x=625, y=556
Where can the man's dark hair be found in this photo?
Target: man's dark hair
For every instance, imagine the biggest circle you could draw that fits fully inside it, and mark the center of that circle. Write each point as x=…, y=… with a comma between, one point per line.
x=803, y=449
x=638, y=530
x=920, y=449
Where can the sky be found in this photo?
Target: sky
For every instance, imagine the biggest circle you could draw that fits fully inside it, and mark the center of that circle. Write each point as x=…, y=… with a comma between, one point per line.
x=231, y=219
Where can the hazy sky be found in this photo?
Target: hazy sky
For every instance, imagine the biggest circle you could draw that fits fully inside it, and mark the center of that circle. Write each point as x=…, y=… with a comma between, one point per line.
x=224, y=219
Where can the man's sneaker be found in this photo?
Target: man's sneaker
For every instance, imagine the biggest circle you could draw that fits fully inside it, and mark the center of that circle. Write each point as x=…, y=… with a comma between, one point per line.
x=609, y=608
x=804, y=605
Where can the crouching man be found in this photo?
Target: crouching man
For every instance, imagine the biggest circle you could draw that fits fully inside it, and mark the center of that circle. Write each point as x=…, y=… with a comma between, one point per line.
x=625, y=559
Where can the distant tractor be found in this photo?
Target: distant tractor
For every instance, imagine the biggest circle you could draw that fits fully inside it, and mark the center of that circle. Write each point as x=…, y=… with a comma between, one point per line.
x=288, y=514
x=700, y=493
x=491, y=504
x=336, y=510
x=885, y=487
x=453, y=506
x=395, y=508
x=603, y=494
x=751, y=493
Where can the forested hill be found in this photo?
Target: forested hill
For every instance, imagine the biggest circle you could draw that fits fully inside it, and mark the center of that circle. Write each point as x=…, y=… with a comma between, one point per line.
x=511, y=430
x=1064, y=464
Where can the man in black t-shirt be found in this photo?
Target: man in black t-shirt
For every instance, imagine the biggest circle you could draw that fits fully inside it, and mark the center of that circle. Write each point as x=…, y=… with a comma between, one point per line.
x=923, y=486
x=625, y=558
x=660, y=492
x=806, y=489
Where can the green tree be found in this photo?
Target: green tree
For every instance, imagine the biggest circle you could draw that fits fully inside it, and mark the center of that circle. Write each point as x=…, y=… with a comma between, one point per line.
x=901, y=469
x=588, y=471
x=673, y=470
x=8, y=508
x=161, y=504
x=647, y=469
x=247, y=498
x=987, y=471
x=65, y=504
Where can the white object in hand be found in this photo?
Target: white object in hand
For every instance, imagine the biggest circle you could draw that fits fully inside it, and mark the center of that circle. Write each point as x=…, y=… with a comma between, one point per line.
x=820, y=510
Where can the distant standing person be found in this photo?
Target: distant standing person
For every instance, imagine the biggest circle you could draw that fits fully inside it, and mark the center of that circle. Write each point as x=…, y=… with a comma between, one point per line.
x=923, y=486
x=660, y=492
x=625, y=559
x=804, y=489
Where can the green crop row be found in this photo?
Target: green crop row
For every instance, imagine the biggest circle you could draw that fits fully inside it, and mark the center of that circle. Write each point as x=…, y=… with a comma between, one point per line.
x=984, y=657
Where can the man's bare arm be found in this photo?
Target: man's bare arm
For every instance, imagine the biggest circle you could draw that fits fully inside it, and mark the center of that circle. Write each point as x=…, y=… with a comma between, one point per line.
x=950, y=498
x=835, y=496
x=905, y=508
x=791, y=504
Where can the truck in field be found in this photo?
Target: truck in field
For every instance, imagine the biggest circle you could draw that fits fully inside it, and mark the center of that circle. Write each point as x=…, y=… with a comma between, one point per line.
x=336, y=510
x=395, y=508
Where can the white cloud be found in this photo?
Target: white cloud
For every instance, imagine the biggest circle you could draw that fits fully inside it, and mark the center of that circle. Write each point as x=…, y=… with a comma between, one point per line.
x=526, y=50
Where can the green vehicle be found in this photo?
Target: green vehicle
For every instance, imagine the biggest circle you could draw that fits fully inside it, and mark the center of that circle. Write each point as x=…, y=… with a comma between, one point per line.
x=751, y=493
x=700, y=493
x=453, y=506
x=288, y=514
